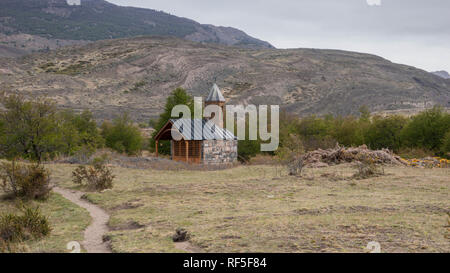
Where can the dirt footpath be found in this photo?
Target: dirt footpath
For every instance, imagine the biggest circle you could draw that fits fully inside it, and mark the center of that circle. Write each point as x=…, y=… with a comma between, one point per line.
x=93, y=235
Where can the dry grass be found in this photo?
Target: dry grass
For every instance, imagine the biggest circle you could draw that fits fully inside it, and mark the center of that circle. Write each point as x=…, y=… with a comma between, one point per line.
x=251, y=209
x=67, y=221
x=149, y=161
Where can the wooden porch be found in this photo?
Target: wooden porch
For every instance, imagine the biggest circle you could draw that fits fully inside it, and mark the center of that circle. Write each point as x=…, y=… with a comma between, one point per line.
x=189, y=151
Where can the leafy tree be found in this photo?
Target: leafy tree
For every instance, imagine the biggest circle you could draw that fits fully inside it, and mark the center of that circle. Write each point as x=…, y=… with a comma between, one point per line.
x=292, y=148
x=30, y=128
x=385, y=132
x=445, y=148
x=29, y=181
x=427, y=129
x=248, y=149
x=313, y=131
x=364, y=113
x=80, y=130
x=178, y=96
x=348, y=131
x=122, y=135
x=36, y=130
x=312, y=126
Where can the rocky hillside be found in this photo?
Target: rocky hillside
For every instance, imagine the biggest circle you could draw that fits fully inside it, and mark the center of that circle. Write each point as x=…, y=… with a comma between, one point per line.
x=53, y=23
x=137, y=74
x=442, y=74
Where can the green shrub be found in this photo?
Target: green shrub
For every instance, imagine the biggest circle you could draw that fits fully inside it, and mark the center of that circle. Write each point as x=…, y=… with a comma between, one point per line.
x=427, y=129
x=11, y=229
x=419, y=136
x=314, y=143
x=348, y=131
x=122, y=136
x=37, y=130
x=411, y=153
x=96, y=177
x=312, y=126
x=247, y=149
x=385, y=132
x=30, y=128
x=27, y=181
x=18, y=228
x=79, y=132
x=34, y=222
x=445, y=148
x=138, y=85
x=290, y=154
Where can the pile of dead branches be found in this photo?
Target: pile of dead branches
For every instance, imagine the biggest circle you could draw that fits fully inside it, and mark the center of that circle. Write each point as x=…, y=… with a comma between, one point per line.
x=338, y=155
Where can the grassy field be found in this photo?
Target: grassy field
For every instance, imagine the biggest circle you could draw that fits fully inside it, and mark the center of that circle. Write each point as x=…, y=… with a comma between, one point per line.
x=252, y=209
x=67, y=220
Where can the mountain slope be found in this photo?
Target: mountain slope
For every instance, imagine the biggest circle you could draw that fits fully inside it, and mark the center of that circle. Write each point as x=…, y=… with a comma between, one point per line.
x=442, y=74
x=98, y=20
x=6, y=51
x=136, y=75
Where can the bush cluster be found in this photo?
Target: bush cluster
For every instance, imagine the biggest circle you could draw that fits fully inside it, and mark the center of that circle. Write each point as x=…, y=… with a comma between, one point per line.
x=18, y=228
x=29, y=181
x=96, y=177
x=36, y=130
x=428, y=131
x=122, y=135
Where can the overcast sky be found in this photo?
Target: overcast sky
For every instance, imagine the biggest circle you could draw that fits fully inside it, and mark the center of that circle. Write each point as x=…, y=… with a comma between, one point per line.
x=413, y=32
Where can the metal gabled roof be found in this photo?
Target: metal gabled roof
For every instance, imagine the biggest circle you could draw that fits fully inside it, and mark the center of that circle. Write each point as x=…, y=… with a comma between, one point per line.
x=201, y=129
x=215, y=95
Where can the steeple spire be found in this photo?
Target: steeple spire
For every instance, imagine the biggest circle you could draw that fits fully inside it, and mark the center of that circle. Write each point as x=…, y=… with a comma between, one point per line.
x=215, y=95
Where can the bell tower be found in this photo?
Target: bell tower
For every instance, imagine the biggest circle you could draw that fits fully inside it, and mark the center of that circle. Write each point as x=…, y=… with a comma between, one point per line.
x=215, y=97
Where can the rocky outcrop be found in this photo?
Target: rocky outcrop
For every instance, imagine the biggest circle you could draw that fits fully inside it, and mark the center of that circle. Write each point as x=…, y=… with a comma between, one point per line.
x=442, y=74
